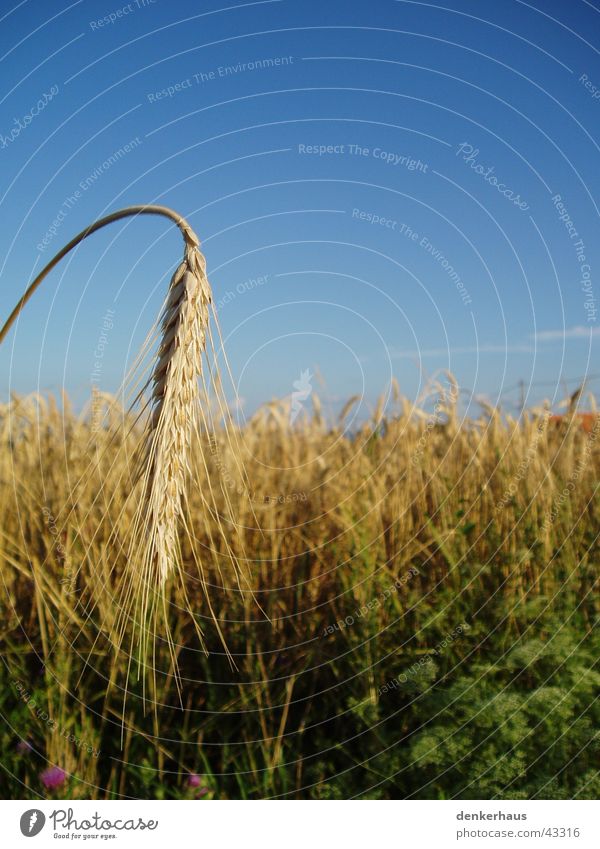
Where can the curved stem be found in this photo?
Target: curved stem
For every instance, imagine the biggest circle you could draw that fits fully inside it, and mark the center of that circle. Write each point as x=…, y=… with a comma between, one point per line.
x=188, y=234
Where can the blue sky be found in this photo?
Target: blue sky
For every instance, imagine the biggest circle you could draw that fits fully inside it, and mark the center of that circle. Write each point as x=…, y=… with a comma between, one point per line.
x=383, y=188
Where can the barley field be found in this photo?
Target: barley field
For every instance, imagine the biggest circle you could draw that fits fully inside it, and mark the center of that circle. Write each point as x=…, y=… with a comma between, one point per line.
x=404, y=607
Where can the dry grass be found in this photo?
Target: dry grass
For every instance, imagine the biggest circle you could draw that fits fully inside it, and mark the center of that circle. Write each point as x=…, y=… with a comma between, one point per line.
x=394, y=488
x=331, y=519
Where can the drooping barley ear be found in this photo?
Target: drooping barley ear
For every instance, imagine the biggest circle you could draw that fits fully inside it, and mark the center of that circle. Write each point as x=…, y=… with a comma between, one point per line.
x=174, y=404
x=147, y=549
x=174, y=381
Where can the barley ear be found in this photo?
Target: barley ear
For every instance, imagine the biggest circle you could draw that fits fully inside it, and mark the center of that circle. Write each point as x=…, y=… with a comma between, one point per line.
x=174, y=407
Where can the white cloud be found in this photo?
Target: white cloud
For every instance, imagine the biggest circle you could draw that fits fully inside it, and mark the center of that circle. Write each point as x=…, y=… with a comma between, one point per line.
x=473, y=349
x=578, y=332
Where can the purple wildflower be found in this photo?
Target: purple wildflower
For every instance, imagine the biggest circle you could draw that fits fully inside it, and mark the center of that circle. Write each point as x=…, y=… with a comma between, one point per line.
x=194, y=780
x=53, y=777
x=23, y=747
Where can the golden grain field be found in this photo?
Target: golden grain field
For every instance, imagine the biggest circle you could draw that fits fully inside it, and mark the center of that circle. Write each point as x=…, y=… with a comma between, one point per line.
x=343, y=555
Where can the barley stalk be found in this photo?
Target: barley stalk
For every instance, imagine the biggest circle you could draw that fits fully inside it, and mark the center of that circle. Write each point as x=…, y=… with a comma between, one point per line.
x=174, y=404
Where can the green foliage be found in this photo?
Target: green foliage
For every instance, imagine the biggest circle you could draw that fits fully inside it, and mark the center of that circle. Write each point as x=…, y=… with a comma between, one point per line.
x=486, y=716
